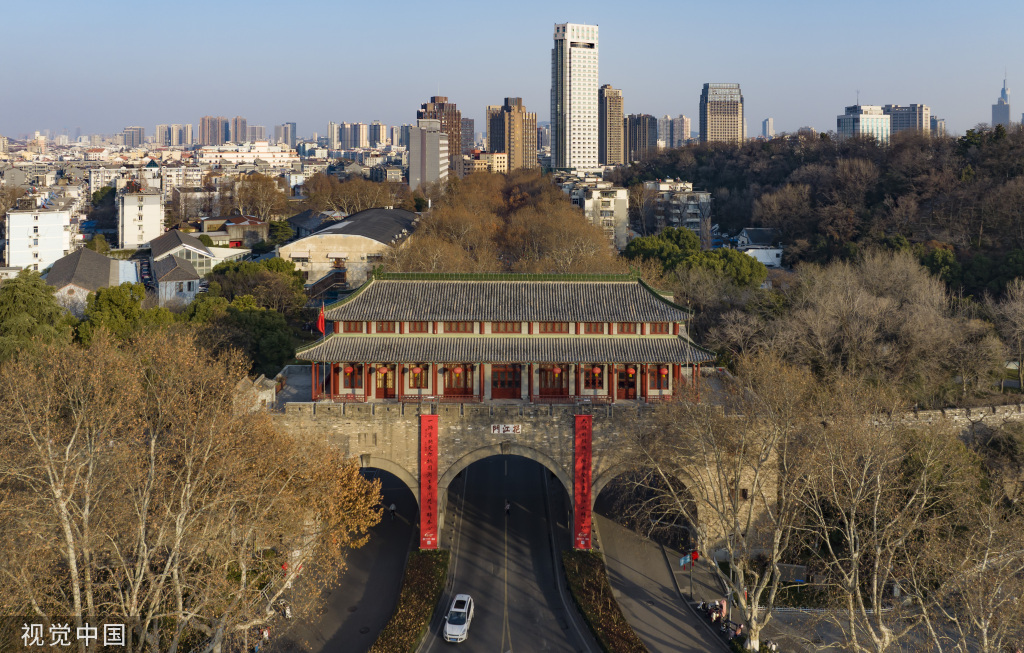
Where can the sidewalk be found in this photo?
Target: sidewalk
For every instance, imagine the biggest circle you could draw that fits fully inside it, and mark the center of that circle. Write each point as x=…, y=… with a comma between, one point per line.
x=642, y=581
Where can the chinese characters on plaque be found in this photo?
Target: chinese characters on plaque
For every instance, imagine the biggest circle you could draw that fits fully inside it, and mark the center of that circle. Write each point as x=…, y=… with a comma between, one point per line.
x=506, y=429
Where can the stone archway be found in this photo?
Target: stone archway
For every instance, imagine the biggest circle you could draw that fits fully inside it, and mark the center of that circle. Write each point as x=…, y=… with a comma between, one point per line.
x=376, y=462
x=605, y=478
x=505, y=449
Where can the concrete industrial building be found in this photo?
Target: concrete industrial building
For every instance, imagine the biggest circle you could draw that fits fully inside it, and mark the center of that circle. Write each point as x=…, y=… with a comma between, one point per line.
x=574, y=100
x=862, y=121
x=351, y=247
x=428, y=153
x=511, y=129
x=450, y=120
x=721, y=114
x=610, y=148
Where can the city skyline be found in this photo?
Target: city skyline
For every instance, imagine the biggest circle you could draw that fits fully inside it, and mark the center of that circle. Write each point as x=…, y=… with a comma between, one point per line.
x=805, y=78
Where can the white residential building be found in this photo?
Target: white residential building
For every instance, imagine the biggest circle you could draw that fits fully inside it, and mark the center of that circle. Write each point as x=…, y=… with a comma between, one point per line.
x=674, y=203
x=603, y=204
x=140, y=218
x=36, y=238
x=275, y=155
x=574, y=119
x=172, y=177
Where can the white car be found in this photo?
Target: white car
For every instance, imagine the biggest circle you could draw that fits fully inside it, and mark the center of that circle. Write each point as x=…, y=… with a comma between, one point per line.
x=458, y=619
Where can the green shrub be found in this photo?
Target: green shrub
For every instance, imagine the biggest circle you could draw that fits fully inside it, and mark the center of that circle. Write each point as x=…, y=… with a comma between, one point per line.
x=424, y=580
x=589, y=586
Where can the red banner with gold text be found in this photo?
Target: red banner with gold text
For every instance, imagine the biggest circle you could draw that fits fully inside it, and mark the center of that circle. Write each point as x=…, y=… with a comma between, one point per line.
x=428, y=481
x=582, y=481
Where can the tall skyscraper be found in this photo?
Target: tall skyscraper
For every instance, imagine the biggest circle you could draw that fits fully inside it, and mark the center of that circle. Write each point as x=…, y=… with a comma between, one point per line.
x=721, y=114
x=938, y=126
x=163, y=135
x=641, y=136
x=378, y=134
x=439, y=108
x=665, y=131
x=257, y=133
x=333, y=136
x=610, y=151
x=428, y=153
x=134, y=136
x=512, y=129
x=468, y=137
x=400, y=135
x=574, y=123
x=916, y=117
x=293, y=133
x=862, y=121
x=681, y=130
x=768, y=128
x=284, y=134
x=1001, y=109
x=211, y=130
x=239, y=130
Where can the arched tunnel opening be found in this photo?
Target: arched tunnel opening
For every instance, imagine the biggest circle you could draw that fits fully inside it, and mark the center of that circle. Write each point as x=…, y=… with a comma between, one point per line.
x=645, y=503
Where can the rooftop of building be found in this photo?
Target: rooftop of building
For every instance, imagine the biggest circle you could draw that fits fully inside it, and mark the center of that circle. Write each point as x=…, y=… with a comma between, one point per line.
x=172, y=240
x=174, y=268
x=382, y=225
x=506, y=298
x=83, y=268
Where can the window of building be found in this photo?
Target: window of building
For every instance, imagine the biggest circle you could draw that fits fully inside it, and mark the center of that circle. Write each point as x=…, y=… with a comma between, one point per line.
x=353, y=327
x=179, y=286
x=554, y=327
x=626, y=327
x=385, y=327
x=418, y=377
x=352, y=376
x=506, y=327
x=593, y=327
x=35, y=229
x=35, y=241
x=659, y=327
x=300, y=259
x=458, y=327
x=592, y=380
x=419, y=327
x=191, y=286
x=657, y=377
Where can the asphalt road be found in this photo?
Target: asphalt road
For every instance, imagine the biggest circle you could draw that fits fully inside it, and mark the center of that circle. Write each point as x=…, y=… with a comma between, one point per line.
x=507, y=563
x=362, y=601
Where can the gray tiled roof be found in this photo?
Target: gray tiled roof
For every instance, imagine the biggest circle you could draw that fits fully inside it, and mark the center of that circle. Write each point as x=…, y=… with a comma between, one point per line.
x=382, y=225
x=345, y=348
x=84, y=268
x=172, y=239
x=173, y=268
x=506, y=300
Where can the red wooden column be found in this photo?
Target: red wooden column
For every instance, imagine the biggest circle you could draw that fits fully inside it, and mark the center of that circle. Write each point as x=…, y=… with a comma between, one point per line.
x=312, y=368
x=399, y=379
x=428, y=481
x=582, y=481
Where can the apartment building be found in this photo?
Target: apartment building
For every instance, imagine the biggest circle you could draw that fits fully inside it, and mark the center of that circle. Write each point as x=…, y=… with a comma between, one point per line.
x=721, y=114
x=36, y=238
x=140, y=217
x=511, y=130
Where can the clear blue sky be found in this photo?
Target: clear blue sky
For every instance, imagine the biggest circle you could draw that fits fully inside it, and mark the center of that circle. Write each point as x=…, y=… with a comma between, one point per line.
x=106, y=64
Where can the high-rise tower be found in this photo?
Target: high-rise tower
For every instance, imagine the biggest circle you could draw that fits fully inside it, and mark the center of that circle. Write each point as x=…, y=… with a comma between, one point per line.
x=513, y=130
x=610, y=149
x=439, y=108
x=1001, y=109
x=574, y=121
x=721, y=114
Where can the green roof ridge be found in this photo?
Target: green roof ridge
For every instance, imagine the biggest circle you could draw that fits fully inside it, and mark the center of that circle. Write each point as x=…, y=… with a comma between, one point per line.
x=316, y=343
x=497, y=276
x=657, y=294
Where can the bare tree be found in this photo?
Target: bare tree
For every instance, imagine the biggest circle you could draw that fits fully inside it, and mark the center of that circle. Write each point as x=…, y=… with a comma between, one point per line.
x=259, y=196
x=1009, y=321
x=166, y=504
x=737, y=476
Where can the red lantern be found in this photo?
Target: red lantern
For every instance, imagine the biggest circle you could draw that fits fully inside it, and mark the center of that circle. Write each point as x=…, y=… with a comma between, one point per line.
x=557, y=371
x=458, y=370
x=664, y=371
x=348, y=369
x=596, y=370
x=417, y=370
x=631, y=371
x=382, y=370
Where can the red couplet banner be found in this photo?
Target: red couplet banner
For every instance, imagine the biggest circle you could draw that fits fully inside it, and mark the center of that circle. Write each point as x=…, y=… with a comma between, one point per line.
x=428, y=481
x=582, y=481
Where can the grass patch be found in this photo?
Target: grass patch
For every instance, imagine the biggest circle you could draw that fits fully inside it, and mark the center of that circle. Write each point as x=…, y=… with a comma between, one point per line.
x=589, y=586
x=425, y=575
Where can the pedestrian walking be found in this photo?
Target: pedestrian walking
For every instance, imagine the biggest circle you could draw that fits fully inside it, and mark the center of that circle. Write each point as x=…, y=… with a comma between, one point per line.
x=392, y=509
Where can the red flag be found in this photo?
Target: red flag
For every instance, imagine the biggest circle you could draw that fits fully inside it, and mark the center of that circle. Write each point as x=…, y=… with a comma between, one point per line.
x=320, y=320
